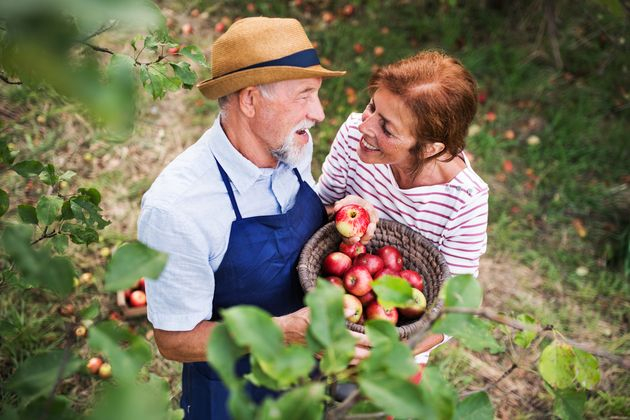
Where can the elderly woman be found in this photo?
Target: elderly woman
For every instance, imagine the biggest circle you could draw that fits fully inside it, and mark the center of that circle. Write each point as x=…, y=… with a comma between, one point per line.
x=404, y=155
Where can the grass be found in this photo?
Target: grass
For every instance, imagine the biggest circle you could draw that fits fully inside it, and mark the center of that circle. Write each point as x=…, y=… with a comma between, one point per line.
x=578, y=171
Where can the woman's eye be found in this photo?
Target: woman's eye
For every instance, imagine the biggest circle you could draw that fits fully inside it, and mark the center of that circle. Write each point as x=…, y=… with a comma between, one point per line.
x=385, y=130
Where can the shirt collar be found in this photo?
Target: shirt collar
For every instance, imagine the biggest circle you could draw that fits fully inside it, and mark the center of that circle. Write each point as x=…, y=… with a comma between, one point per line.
x=241, y=171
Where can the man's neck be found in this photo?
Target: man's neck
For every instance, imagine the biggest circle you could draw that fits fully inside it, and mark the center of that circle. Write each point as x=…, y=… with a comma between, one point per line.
x=246, y=142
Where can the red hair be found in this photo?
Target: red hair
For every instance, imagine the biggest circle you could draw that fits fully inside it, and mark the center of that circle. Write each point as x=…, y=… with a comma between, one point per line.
x=438, y=91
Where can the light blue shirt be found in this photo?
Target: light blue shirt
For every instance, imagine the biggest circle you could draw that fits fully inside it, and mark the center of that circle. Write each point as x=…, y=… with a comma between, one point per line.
x=187, y=214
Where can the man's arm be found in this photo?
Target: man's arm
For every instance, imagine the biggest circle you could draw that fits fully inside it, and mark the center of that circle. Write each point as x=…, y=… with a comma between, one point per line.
x=190, y=346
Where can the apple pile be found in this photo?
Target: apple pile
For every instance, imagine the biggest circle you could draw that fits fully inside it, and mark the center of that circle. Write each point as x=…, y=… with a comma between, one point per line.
x=136, y=296
x=354, y=269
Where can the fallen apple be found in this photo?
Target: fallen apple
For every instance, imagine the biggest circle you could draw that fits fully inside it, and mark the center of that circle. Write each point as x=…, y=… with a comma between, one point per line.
x=352, y=308
x=137, y=298
x=391, y=257
x=105, y=371
x=417, y=308
x=94, y=364
x=352, y=221
x=336, y=264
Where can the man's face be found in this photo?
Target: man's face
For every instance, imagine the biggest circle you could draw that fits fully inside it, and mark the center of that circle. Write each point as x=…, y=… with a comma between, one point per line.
x=292, y=107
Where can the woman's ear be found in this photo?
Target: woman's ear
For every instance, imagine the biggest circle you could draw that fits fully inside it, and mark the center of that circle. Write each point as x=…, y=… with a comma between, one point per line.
x=247, y=100
x=433, y=149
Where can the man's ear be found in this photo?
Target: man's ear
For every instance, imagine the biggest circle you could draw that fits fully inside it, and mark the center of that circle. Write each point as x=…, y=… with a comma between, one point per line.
x=247, y=98
x=433, y=149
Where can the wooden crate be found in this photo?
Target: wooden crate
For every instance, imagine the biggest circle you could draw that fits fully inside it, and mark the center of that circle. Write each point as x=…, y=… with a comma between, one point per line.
x=129, y=311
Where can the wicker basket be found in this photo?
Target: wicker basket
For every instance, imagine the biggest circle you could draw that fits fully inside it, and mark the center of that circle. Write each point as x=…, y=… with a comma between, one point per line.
x=418, y=254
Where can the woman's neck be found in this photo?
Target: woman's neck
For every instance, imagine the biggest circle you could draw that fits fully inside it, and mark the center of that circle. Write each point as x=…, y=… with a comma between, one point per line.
x=434, y=172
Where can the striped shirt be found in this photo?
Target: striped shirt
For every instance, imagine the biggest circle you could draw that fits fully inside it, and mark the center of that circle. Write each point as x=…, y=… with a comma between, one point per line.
x=454, y=216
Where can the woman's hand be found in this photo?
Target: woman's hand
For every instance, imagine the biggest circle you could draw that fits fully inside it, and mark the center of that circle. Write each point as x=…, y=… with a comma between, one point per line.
x=354, y=199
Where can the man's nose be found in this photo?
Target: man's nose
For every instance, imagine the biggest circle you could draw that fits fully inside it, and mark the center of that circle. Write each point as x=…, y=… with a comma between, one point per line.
x=316, y=112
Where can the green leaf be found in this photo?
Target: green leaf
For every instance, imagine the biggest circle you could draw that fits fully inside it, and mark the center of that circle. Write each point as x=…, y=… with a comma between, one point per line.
x=475, y=407
x=58, y=407
x=194, y=53
x=6, y=156
x=126, y=351
x=80, y=234
x=130, y=262
x=59, y=243
x=388, y=353
x=157, y=81
x=393, y=291
x=304, y=403
x=152, y=84
x=91, y=194
x=223, y=353
x=183, y=71
x=48, y=176
x=254, y=329
x=87, y=212
x=48, y=209
x=462, y=291
x=397, y=397
x=438, y=393
x=28, y=214
x=27, y=168
x=4, y=202
x=134, y=401
x=91, y=311
x=556, y=364
x=59, y=276
x=525, y=338
x=472, y=332
x=67, y=176
x=327, y=329
x=586, y=369
x=38, y=374
x=568, y=403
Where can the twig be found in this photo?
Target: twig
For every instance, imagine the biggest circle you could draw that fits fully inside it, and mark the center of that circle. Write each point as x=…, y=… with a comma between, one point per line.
x=97, y=48
x=491, y=385
x=552, y=29
x=45, y=235
x=6, y=79
x=345, y=406
x=102, y=29
x=623, y=360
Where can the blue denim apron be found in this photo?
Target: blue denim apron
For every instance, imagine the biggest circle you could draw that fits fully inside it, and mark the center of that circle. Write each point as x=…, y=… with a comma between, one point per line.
x=259, y=268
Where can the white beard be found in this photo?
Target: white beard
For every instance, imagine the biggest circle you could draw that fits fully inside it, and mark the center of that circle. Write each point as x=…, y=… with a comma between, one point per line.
x=291, y=152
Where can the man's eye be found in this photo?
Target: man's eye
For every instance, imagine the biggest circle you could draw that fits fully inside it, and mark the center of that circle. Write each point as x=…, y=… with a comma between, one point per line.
x=371, y=106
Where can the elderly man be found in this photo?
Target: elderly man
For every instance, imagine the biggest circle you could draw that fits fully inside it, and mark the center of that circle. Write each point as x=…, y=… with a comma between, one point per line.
x=234, y=210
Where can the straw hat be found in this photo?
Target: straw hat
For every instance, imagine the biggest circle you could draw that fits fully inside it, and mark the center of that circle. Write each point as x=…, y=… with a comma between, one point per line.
x=261, y=50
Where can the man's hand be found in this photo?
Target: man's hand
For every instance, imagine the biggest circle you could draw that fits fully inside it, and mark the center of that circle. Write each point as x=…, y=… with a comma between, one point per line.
x=294, y=325
x=354, y=199
x=361, y=348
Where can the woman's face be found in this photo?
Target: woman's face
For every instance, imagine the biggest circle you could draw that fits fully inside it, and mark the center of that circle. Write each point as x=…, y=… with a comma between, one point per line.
x=387, y=131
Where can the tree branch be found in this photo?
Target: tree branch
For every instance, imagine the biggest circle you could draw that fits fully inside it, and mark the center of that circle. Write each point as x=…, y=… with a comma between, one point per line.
x=102, y=29
x=97, y=48
x=345, y=406
x=491, y=385
x=623, y=360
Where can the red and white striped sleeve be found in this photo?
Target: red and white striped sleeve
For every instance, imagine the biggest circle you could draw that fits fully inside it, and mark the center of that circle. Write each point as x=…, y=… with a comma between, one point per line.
x=331, y=186
x=465, y=236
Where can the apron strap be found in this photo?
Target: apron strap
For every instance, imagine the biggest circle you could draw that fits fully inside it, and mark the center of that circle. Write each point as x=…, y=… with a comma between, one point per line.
x=228, y=187
x=297, y=173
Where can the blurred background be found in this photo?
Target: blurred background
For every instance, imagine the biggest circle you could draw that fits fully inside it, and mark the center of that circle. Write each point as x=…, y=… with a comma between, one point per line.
x=550, y=138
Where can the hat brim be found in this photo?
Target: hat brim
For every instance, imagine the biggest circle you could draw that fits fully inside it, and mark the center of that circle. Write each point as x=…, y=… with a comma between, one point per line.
x=224, y=85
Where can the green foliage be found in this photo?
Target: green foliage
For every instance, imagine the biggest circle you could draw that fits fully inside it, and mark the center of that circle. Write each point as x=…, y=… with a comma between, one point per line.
x=131, y=262
x=393, y=291
x=475, y=407
x=561, y=365
x=525, y=338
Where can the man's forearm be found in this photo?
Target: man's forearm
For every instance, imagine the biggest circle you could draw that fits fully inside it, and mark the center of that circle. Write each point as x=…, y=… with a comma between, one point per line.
x=185, y=346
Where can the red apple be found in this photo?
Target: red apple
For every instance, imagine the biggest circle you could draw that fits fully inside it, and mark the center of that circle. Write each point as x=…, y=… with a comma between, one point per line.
x=413, y=278
x=336, y=281
x=376, y=311
x=386, y=272
x=418, y=307
x=391, y=257
x=348, y=10
x=352, y=308
x=336, y=264
x=352, y=250
x=173, y=50
x=219, y=27
x=137, y=298
x=352, y=220
x=140, y=284
x=187, y=29
x=374, y=263
x=128, y=294
x=105, y=371
x=368, y=298
x=358, y=280
x=94, y=364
